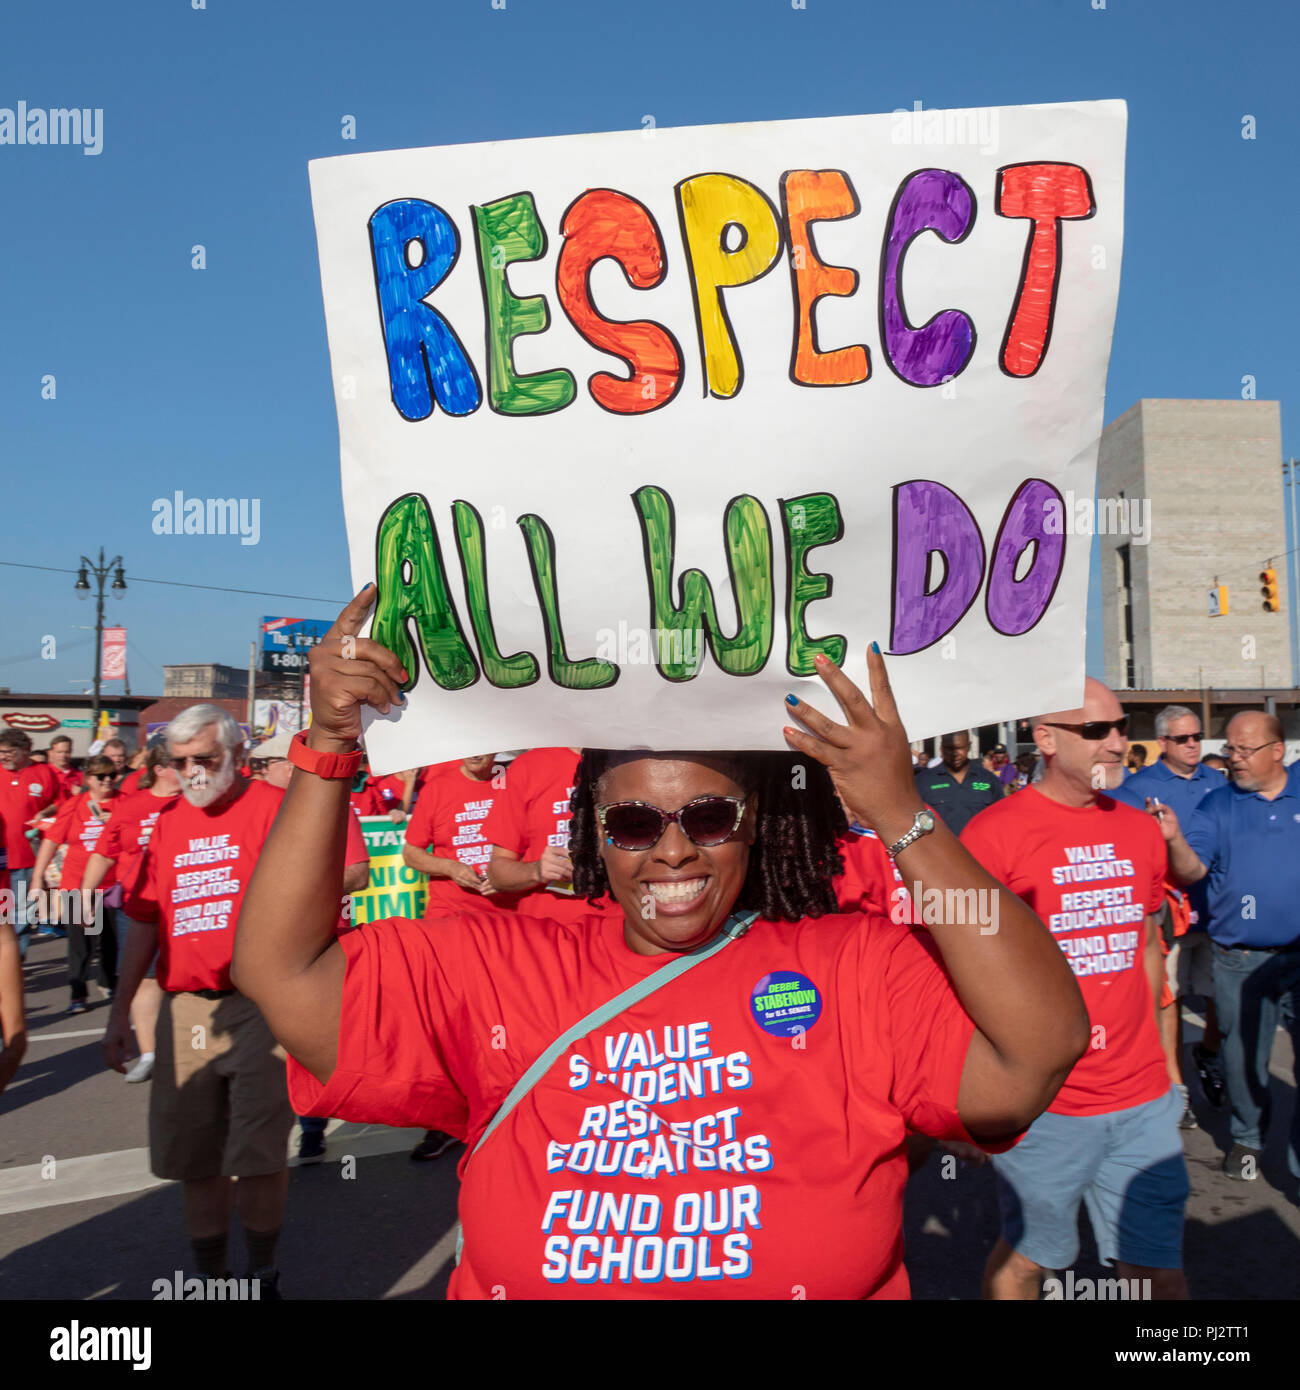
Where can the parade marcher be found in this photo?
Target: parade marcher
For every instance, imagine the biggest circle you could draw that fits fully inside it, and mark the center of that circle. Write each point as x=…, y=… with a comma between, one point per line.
x=769, y=1020
x=1092, y=869
x=13, y=1018
x=528, y=829
x=218, y=1105
x=1245, y=840
x=79, y=825
x=60, y=764
x=121, y=850
x=28, y=791
x=957, y=789
x=1179, y=779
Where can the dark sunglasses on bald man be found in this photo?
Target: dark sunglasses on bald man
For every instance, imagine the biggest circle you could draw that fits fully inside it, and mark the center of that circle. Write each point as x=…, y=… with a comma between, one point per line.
x=707, y=821
x=1095, y=729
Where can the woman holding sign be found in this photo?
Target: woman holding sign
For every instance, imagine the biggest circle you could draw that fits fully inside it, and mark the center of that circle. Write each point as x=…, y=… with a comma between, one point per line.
x=709, y=1096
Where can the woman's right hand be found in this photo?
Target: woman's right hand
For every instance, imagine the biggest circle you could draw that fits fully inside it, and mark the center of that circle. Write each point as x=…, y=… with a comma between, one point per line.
x=347, y=672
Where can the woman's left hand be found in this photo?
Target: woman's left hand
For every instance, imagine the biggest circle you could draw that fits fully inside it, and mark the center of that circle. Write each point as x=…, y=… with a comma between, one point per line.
x=869, y=759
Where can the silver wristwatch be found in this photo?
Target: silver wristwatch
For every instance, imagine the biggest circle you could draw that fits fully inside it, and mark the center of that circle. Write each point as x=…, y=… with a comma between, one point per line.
x=922, y=824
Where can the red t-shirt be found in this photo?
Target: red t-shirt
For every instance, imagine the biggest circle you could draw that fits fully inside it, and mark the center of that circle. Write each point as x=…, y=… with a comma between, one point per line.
x=197, y=867
x=69, y=780
x=368, y=802
x=134, y=817
x=870, y=881
x=22, y=794
x=131, y=782
x=533, y=812
x=78, y=826
x=391, y=790
x=683, y=1149
x=448, y=823
x=1092, y=874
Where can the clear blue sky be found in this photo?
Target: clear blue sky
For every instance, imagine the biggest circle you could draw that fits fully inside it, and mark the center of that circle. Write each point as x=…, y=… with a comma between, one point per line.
x=218, y=382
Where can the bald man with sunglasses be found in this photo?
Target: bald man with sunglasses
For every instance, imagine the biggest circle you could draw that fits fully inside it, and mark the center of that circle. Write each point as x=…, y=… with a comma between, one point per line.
x=1091, y=870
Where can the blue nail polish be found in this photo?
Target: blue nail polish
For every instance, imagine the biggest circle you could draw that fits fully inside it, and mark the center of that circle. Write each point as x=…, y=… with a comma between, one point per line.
x=792, y=699
x=875, y=647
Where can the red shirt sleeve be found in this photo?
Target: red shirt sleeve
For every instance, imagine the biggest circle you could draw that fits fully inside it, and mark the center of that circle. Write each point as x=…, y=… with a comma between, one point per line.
x=61, y=830
x=931, y=1034
x=419, y=829
x=504, y=824
x=357, y=853
x=141, y=903
x=399, y=1024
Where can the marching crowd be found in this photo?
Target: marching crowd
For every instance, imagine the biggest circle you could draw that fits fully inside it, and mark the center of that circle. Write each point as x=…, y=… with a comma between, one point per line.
x=1044, y=1037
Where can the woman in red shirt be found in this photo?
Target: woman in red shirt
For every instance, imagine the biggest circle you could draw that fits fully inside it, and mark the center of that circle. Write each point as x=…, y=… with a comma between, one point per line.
x=79, y=825
x=738, y=1132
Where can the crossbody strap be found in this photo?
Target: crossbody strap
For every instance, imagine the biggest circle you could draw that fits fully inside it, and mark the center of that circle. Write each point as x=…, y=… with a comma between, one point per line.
x=735, y=927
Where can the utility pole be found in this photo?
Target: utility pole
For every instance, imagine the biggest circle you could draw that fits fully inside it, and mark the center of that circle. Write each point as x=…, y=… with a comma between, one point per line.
x=252, y=681
x=1293, y=577
x=82, y=587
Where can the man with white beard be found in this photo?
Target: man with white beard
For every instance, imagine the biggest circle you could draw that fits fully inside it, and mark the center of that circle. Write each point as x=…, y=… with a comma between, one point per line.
x=219, y=1105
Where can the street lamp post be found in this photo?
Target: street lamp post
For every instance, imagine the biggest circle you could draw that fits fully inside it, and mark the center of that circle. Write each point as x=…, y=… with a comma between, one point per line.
x=82, y=587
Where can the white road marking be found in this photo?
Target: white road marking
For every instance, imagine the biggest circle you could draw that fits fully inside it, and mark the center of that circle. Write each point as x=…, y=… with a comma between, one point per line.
x=58, y=1037
x=428, y=1266
x=124, y=1171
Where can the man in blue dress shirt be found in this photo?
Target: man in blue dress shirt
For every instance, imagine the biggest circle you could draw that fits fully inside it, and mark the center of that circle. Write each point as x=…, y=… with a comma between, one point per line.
x=1245, y=839
x=1178, y=779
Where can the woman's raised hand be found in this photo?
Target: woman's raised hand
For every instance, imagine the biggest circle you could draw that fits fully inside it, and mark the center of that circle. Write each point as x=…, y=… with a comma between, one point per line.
x=869, y=759
x=347, y=672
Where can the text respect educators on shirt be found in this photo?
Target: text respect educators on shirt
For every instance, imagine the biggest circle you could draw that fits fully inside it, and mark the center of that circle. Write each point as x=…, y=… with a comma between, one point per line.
x=784, y=1056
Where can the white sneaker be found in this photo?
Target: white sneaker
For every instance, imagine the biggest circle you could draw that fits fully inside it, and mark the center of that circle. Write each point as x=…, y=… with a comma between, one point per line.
x=143, y=1068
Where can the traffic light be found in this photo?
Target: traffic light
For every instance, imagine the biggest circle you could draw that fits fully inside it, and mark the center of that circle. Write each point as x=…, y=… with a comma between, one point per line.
x=1268, y=587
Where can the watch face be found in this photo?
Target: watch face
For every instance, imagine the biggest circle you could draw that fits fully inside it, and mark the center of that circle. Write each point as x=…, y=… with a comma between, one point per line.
x=925, y=820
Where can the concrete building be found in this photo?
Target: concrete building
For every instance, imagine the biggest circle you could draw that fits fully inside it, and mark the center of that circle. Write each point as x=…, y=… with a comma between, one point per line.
x=1209, y=475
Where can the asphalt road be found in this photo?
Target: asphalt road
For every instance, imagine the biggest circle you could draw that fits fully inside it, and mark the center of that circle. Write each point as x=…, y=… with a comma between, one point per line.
x=82, y=1218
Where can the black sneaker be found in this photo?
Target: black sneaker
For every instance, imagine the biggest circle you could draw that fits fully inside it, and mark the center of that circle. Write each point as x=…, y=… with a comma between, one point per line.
x=1210, y=1071
x=434, y=1144
x=311, y=1148
x=269, y=1280
x=1189, y=1117
x=1242, y=1163
x=78, y=1006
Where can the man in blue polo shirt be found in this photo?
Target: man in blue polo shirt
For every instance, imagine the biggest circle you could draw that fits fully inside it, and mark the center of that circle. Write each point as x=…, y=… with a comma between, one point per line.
x=957, y=789
x=1245, y=838
x=1178, y=779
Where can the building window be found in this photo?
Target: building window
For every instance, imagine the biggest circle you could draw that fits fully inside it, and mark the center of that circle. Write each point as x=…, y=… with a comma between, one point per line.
x=1124, y=566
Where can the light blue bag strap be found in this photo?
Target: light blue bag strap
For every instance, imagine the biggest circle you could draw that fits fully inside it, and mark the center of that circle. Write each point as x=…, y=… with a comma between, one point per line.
x=735, y=927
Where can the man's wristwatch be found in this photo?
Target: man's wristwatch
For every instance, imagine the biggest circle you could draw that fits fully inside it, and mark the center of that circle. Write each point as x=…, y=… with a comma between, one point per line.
x=334, y=766
x=922, y=823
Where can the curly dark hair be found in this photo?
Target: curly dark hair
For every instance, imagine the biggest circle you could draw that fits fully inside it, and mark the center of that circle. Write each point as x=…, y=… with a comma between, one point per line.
x=794, y=855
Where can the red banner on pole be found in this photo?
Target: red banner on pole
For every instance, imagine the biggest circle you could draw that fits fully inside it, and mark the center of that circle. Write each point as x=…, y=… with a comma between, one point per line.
x=113, y=663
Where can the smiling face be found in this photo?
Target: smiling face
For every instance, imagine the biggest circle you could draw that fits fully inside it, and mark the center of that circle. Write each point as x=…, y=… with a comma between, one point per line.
x=676, y=894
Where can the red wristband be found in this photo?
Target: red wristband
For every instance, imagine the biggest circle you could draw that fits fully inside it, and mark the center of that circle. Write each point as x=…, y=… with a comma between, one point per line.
x=334, y=766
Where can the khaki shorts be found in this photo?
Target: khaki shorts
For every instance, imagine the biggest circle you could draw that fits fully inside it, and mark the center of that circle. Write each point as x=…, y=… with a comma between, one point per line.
x=219, y=1099
x=1189, y=966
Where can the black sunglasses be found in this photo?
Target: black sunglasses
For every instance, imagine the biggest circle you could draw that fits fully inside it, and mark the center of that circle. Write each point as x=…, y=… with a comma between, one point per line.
x=1095, y=729
x=1183, y=738
x=636, y=825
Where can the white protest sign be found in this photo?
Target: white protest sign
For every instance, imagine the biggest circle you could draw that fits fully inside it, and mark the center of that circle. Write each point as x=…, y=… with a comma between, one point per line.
x=633, y=425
